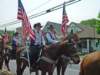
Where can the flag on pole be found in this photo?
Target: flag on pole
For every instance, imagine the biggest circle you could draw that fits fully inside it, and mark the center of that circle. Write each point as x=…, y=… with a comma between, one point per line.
x=65, y=20
x=26, y=26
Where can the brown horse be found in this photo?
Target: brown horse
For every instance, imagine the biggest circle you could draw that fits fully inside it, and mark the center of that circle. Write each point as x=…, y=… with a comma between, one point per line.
x=7, y=57
x=60, y=64
x=1, y=53
x=5, y=51
x=90, y=64
x=64, y=60
x=50, y=57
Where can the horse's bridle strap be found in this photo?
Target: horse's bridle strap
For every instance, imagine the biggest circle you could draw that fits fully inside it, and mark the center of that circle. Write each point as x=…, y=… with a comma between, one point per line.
x=48, y=60
x=74, y=54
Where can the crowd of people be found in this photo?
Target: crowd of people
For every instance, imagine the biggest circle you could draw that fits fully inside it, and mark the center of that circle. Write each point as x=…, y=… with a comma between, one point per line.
x=42, y=41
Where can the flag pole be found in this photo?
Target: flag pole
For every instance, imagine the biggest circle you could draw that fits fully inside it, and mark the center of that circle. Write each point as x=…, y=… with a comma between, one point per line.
x=5, y=30
x=27, y=48
x=27, y=30
x=64, y=22
x=26, y=26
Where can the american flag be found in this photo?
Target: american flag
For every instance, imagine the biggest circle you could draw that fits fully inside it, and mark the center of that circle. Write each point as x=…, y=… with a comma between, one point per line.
x=64, y=21
x=26, y=26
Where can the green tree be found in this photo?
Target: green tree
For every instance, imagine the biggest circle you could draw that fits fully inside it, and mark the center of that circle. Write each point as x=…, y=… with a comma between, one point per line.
x=99, y=15
x=93, y=23
x=89, y=22
x=98, y=24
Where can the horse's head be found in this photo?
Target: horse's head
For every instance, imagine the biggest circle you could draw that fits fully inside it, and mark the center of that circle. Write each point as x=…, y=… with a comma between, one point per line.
x=69, y=50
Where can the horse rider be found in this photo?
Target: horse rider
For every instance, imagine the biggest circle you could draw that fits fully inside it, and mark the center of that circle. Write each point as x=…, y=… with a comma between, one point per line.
x=16, y=48
x=17, y=45
x=51, y=36
x=38, y=44
x=15, y=42
x=5, y=37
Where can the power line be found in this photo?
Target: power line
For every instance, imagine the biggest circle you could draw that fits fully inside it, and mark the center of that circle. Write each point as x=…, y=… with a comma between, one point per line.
x=43, y=12
x=27, y=12
x=53, y=9
x=40, y=5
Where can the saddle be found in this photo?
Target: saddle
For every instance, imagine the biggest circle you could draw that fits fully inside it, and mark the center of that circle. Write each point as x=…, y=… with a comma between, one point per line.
x=41, y=56
x=32, y=55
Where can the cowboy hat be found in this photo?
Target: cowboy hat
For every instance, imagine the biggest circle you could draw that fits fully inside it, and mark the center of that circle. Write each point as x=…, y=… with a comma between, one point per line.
x=37, y=25
x=50, y=27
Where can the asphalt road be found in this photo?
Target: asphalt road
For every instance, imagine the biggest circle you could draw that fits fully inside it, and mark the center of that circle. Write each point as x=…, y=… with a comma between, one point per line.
x=72, y=69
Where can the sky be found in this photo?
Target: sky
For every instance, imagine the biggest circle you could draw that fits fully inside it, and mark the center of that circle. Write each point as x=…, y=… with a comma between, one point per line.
x=82, y=10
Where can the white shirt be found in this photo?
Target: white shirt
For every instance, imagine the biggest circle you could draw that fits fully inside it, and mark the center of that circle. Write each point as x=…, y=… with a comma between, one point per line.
x=39, y=38
x=51, y=38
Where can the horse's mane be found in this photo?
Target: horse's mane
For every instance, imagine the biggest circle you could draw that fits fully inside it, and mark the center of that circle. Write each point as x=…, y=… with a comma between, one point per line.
x=57, y=45
x=75, y=37
x=53, y=51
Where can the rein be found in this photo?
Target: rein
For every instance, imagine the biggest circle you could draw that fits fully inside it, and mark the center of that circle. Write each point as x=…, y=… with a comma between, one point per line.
x=48, y=60
x=74, y=54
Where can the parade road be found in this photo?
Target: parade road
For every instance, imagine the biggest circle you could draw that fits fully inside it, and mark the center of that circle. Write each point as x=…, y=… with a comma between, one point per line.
x=72, y=69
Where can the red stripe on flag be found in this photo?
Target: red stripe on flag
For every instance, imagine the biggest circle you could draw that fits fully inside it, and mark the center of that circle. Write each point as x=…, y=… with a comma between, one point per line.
x=64, y=22
x=26, y=26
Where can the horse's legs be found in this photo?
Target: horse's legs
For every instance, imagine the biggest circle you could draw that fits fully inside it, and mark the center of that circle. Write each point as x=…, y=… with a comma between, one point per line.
x=58, y=69
x=18, y=63
x=7, y=62
x=23, y=66
x=37, y=73
x=59, y=66
x=18, y=70
x=64, y=69
x=43, y=73
x=64, y=66
x=1, y=62
x=50, y=73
